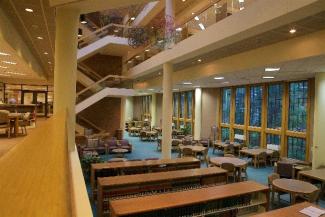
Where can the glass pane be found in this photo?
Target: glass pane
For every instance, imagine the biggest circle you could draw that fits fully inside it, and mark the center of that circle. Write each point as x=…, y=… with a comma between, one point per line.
x=296, y=148
x=189, y=104
x=273, y=141
x=256, y=96
x=28, y=98
x=189, y=124
x=238, y=132
x=226, y=99
x=182, y=106
x=225, y=133
x=174, y=124
x=181, y=124
x=274, y=106
x=175, y=103
x=298, y=95
x=254, y=139
x=240, y=106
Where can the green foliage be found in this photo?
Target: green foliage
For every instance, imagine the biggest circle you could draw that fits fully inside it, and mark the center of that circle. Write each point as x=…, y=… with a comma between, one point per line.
x=187, y=130
x=86, y=162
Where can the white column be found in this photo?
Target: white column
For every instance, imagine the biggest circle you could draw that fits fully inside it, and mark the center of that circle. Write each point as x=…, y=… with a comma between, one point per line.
x=65, y=69
x=129, y=108
x=170, y=23
x=123, y=107
x=153, y=109
x=167, y=111
x=319, y=121
x=198, y=113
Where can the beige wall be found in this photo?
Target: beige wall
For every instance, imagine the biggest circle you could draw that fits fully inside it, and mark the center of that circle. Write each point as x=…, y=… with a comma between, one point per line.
x=209, y=110
x=137, y=108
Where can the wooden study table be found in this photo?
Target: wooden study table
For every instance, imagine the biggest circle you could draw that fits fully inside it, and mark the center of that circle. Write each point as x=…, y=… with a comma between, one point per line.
x=290, y=211
x=238, y=163
x=195, y=148
x=222, y=145
x=116, y=168
x=15, y=118
x=139, y=183
x=254, y=153
x=315, y=174
x=176, y=200
x=294, y=187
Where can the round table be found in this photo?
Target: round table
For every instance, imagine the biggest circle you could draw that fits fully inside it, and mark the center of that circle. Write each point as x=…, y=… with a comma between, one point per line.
x=195, y=148
x=294, y=187
x=238, y=163
x=119, y=152
x=117, y=159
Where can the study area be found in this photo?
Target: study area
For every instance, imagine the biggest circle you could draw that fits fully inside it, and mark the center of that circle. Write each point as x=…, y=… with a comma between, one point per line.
x=162, y=108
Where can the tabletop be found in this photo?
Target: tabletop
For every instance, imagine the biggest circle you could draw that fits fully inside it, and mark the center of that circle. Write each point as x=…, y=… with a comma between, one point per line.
x=223, y=144
x=236, y=161
x=195, y=148
x=294, y=186
x=318, y=174
x=256, y=151
x=120, y=150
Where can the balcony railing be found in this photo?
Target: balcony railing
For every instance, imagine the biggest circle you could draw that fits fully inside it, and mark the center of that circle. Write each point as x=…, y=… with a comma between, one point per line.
x=214, y=13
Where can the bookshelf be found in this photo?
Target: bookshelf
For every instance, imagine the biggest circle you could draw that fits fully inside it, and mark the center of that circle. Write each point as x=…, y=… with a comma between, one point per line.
x=238, y=199
x=154, y=183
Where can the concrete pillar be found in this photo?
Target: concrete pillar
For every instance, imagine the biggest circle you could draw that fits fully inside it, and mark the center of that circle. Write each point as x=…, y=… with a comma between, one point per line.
x=198, y=113
x=128, y=108
x=319, y=121
x=153, y=109
x=123, y=107
x=65, y=68
x=170, y=23
x=167, y=110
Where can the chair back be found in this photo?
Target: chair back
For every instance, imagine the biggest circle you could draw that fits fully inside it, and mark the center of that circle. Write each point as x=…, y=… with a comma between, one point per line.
x=4, y=116
x=272, y=177
x=284, y=169
x=175, y=142
x=124, y=142
x=228, y=166
x=262, y=156
x=186, y=152
x=276, y=155
x=314, y=196
x=187, y=142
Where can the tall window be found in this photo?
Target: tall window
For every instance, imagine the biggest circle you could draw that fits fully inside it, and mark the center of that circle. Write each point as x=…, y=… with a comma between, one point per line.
x=274, y=140
x=189, y=104
x=254, y=139
x=296, y=148
x=182, y=105
x=298, y=95
x=238, y=132
x=274, y=106
x=256, y=97
x=175, y=104
x=240, y=105
x=226, y=99
x=225, y=134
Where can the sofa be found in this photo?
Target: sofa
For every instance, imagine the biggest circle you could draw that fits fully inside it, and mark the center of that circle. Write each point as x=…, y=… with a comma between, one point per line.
x=114, y=144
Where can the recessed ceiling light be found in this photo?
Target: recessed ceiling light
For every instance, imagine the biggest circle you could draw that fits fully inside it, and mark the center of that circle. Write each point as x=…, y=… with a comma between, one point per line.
x=83, y=19
x=199, y=60
x=137, y=56
x=292, y=30
x=196, y=18
x=115, y=30
x=187, y=83
x=201, y=26
x=46, y=53
x=218, y=78
x=160, y=41
x=226, y=82
x=9, y=62
x=49, y=63
x=29, y=10
x=4, y=54
x=271, y=69
x=179, y=29
x=183, y=0
x=79, y=32
x=196, y=86
x=39, y=37
x=130, y=61
x=241, y=1
x=175, y=89
x=241, y=8
x=132, y=18
x=151, y=89
x=193, y=13
x=147, y=50
x=3, y=67
x=268, y=77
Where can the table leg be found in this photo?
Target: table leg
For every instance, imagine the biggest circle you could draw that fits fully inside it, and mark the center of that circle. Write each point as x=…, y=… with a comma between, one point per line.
x=293, y=198
x=16, y=126
x=239, y=174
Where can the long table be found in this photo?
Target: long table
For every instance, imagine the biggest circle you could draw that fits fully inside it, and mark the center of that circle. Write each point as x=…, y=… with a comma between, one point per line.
x=109, y=187
x=292, y=211
x=117, y=168
x=254, y=153
x=230, y=198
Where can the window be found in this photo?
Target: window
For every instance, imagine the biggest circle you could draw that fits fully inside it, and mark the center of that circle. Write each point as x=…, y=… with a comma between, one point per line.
x=256, y=96
x=225, y=134
x=175, y=103
x=274, y=106
x=226, y=99
x=189, y=125
x=254, y=139
x=296, y=148
x=273, y=141
x=189, y=104
x=298, y=95
x=240, y=105
x=182, y=106
x=238, y=132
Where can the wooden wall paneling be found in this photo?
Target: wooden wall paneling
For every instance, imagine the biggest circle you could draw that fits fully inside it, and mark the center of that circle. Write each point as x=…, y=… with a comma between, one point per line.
x=310, y=115
x=232, y=113
x=285, y=112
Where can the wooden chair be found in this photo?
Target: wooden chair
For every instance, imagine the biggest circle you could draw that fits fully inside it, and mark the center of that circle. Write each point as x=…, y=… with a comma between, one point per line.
x=270, y=179
x=231, y=170
x=311, y=198
x=244, y=175
x=158, y=144
x=187, y=152
x=261, y=159
x=24, y=122
x=229, y=149
x=143, y=136
x=5, y=121
x=275, y=157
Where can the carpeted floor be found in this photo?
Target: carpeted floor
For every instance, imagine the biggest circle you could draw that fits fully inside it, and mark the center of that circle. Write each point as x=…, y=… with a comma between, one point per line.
x=143, y=150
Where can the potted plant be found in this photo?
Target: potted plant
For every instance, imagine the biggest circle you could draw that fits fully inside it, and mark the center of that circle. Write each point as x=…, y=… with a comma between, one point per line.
x=86, y=162
x=187, y=130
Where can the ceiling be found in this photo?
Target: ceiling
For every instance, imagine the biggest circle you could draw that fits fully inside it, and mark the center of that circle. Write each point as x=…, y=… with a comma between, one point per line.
x=30, y=25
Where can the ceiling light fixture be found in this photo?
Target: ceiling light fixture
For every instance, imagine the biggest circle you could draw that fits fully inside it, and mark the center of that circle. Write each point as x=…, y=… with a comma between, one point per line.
x=49, y=63
x=193, y=13
x=196, y=18
x=272, y=69
x=241, y=8
x=183, y=0
x=3, y=67
x=147, y=50
x=196, y=86
x=39, y=37
x=201, y=26
x=292, y=31
x=83, y=19
x=9, y=62
x=151, y=89
x=268, y=77
x=175, y=89
x=46, y=53
x=241, y=1
x=137, y=56
x=132, y=18
x=226, y=82
x=219, y=78
x=160, y=41
x=187, y=83
x=179, y=29
x=4, y=54
x=29, y=10
x=199, y=60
